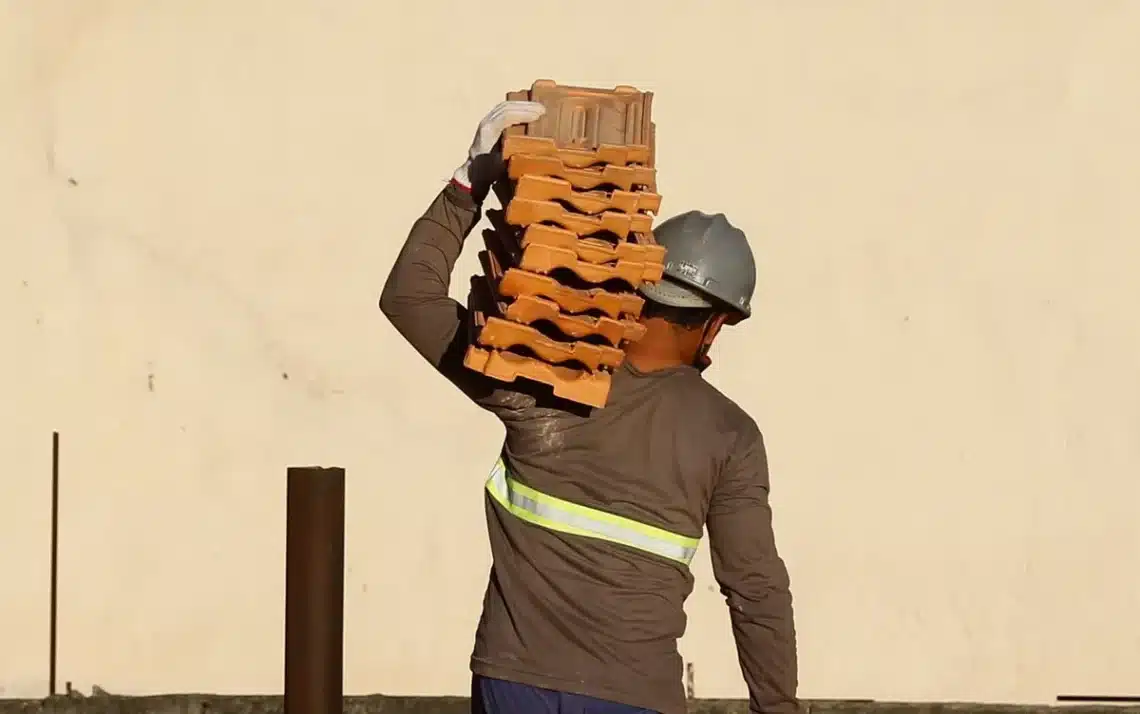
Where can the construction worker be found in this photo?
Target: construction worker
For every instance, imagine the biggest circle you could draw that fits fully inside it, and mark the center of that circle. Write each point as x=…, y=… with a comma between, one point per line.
x=594, y=515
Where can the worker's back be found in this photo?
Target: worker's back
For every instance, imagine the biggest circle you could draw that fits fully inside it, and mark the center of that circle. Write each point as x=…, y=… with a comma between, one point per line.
x=580, y=613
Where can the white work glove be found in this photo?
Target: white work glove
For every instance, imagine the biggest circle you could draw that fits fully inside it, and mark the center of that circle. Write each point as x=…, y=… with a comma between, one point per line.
x=484, y=158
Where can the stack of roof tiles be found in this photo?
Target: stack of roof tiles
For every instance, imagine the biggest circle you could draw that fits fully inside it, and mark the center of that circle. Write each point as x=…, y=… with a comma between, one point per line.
x=557, y=302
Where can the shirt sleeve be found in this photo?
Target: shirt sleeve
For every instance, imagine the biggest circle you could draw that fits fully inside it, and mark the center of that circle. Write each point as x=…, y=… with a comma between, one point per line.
x=754, y=579
x=415, y=297
x=416, y=300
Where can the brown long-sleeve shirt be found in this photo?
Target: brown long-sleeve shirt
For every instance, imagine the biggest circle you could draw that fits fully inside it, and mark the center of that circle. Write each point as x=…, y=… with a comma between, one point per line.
x=587, y=616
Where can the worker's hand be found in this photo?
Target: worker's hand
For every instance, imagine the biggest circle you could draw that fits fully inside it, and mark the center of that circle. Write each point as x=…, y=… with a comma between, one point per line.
x=484, y=159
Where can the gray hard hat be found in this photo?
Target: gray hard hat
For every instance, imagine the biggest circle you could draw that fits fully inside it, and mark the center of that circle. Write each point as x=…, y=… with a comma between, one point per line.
x=705, y=257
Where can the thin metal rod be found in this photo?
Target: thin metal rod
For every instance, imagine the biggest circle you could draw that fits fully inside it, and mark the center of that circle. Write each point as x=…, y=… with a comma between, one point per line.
x=314, y=591
x=1113, y=698
x=54, y=561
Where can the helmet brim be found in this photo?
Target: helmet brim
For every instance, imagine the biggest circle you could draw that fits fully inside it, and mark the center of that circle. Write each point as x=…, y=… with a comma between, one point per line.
x=674, y=294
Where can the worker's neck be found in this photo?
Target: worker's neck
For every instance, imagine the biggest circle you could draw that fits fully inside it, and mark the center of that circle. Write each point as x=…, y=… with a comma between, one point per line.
x=656, y=351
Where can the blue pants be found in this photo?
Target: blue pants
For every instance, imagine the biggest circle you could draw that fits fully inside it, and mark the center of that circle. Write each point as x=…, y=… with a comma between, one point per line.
x=497, y=696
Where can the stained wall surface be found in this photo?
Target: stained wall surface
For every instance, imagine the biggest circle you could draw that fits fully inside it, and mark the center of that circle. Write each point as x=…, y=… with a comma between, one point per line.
x=199, y=201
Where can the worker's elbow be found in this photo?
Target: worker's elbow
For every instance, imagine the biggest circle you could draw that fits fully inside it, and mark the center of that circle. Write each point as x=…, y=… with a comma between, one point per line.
x=390, y=302
x=387, y=305
x=396, y=317
x=760, y=590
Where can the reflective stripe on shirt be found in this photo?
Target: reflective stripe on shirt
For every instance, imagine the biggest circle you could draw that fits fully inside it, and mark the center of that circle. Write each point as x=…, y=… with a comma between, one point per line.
x=555, y=514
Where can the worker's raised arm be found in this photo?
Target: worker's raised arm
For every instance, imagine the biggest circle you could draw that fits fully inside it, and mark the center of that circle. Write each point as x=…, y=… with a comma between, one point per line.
x=415, y=297
x=753, y=578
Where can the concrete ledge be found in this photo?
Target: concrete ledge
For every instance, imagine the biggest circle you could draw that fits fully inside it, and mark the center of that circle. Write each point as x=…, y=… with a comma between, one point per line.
x=380, y=704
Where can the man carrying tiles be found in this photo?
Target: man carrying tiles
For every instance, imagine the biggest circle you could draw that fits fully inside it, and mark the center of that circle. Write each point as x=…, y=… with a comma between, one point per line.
x=595, y=514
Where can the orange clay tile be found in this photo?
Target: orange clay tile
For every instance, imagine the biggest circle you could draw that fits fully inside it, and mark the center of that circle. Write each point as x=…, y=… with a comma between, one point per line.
x=524, y=212
x=516, y=283
x=625, y=178
x=536, y=260
x=591, y=389
x=549, y=188
x=586, y=125
x=502, y=240
x=647, y=240
x=544, y=259
x=501, y=334
x=590, y=117
x=528, y=309
x=596, y=250
x=514, y=144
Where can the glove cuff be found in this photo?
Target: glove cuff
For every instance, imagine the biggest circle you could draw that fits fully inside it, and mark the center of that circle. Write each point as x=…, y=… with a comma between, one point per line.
x=462, y=176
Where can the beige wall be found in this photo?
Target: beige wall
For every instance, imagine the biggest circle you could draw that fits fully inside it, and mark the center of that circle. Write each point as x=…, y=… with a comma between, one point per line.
x=945, y=358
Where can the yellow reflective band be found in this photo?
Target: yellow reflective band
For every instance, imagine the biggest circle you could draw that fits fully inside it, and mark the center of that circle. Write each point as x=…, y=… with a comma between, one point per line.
x=555, y=514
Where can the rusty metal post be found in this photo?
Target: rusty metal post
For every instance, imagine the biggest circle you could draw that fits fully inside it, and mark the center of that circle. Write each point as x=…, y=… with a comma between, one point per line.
x=314, y=591
x=54, y=594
